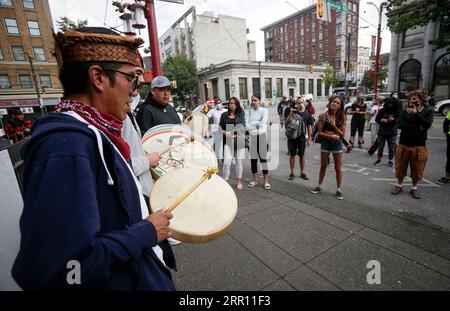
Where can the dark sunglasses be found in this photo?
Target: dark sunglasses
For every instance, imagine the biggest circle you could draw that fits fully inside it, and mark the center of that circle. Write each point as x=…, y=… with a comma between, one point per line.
x=134, y=79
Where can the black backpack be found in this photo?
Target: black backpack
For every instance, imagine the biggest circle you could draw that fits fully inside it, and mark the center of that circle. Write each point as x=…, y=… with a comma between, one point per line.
x=296, y=128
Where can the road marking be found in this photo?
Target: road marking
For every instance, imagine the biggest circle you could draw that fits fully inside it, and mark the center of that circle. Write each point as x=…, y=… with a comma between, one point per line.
x=356, y=168
x=408, y=182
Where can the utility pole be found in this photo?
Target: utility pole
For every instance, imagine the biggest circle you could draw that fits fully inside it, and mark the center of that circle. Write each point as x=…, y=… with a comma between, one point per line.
x=259, y=72
x=377, y=58
x=36, y=86
x=347, y=66
x=149, y=10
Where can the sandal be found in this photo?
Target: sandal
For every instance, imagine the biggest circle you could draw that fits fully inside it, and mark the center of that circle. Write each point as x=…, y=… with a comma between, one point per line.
x=252, y=184
x=267, y=186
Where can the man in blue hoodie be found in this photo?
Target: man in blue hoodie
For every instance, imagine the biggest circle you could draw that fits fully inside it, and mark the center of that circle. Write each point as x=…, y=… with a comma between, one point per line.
x=85, y=224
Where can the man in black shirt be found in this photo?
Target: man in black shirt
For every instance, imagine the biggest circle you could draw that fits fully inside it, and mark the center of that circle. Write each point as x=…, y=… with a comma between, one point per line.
x=156, y=110
x=411, y=150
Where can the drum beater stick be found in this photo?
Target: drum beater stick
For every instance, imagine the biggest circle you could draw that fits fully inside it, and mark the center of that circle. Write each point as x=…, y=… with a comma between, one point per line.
x=206, y=176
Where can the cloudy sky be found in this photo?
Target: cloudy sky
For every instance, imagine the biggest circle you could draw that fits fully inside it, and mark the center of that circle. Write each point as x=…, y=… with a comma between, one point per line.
x=258, y=13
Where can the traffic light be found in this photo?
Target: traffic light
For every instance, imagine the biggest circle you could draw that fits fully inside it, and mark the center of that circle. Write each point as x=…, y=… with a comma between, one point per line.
x=320, y=9
x=208, y=85
x=311, y=69
x=174, y=84
x=346, y=65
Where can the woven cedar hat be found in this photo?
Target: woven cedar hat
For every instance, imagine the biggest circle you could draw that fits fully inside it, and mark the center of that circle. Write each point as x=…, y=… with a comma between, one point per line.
x=80, y=47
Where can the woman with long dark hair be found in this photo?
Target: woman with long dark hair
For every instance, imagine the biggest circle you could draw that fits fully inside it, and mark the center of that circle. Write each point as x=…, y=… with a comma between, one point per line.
x=232, y=123
x=331, y=130
x=256, y=125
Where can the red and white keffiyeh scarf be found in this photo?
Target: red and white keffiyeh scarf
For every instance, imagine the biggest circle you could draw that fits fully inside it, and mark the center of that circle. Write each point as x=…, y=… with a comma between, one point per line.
x=108, y=124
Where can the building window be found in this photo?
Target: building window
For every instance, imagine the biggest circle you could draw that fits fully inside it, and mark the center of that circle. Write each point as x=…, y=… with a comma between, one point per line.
x=45, y=81
x=18, y=53
x=311, y=86
x=268, y=87
x=33, y=28
x=4, y=82
x=25, y=81
x=1, y=55
x=6, y=3
x=39, y=54
x=28, y=4
x=256, y=86
x=11, y=26
x=227, y=89
x=279, y=86
x=243, y=93
x=319, y=87
x=327, y=90
x=302, y=86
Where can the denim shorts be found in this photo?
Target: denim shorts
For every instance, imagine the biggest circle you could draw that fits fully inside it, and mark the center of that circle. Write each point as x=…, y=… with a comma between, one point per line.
x=330, y=146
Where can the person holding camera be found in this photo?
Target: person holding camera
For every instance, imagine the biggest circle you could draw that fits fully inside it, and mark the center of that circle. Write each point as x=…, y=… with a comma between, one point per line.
x=298, y=131
x=387, y=132
x=414, y=123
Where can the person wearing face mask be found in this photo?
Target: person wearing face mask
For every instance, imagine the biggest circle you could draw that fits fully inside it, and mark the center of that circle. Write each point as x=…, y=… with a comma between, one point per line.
x=214, y=115
x=387, y=128
x=414, y=123
x=256, y=125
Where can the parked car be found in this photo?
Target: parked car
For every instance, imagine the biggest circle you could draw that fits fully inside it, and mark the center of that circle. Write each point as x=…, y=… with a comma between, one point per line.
x=442, y=107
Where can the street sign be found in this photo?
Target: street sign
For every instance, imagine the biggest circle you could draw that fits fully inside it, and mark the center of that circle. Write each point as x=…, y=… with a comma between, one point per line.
x=337, y=6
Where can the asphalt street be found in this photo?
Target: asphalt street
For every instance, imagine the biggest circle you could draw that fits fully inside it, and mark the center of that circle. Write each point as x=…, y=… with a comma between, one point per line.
x=289, y=239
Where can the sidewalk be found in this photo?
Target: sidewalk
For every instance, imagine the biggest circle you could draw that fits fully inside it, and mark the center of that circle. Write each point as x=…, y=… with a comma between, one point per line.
x=287, y=239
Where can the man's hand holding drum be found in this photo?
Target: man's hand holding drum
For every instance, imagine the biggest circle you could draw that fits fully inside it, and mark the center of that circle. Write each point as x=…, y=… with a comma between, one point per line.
x=160, y=220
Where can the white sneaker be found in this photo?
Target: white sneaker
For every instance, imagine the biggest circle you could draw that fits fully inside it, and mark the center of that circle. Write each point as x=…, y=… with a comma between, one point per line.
x=172, y=241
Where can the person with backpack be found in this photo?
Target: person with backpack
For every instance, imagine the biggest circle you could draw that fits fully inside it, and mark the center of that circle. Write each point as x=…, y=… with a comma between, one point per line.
x=331, y=130
x=298, y=132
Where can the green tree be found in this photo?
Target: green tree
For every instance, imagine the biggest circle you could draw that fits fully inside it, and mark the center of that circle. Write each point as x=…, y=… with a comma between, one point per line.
x=184, y=72
x=330, y=77
x=404, y=16
x=368, y=78
x=67, y=24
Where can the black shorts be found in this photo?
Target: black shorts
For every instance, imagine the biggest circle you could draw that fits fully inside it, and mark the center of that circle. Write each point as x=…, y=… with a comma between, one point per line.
x=297, y=146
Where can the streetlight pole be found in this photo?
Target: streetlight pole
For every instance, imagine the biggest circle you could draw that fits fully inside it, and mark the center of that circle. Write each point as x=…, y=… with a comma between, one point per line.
x=149, y=10
x=377, y=58
x=349, y=36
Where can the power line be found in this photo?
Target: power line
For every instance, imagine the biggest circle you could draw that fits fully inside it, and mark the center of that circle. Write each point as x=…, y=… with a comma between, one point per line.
x=106, y=12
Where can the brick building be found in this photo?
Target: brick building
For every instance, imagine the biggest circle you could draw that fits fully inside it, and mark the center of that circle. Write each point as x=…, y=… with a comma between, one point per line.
x=25, y=31
x=301, y=38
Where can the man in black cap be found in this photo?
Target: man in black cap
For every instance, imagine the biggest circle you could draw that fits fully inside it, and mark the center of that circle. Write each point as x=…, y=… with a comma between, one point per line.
x=156, y=109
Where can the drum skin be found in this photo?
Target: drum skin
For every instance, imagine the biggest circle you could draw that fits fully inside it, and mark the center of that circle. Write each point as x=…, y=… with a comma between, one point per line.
x=195, y=154
x=205, y=214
